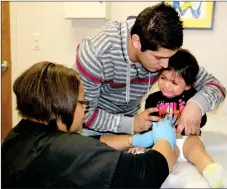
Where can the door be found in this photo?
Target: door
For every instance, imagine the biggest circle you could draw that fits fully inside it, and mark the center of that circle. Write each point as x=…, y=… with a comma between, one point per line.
x=6, y=86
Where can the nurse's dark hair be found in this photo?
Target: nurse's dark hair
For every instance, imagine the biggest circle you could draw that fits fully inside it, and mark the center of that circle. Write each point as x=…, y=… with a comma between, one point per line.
x=185, y=64
x=47, y=91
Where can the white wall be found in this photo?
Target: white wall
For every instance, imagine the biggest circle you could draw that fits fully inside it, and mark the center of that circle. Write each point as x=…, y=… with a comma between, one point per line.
x=59, y=37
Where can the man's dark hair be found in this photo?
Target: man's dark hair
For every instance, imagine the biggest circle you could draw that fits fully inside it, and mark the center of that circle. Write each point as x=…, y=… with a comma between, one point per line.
x=47, y=92
x=159, y=26
x=185, y=64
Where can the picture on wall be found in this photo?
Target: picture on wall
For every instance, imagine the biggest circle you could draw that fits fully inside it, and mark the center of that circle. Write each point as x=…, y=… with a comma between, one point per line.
x=194, y=15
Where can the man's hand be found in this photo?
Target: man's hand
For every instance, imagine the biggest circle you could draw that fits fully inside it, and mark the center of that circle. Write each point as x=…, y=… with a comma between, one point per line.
x=190, y=119
x=143, y=121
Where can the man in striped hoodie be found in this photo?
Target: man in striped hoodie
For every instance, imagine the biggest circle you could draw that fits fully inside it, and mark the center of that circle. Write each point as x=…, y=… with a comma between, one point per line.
x=120, y=62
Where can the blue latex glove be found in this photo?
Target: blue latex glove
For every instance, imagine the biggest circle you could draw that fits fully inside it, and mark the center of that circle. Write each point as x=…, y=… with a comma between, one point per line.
x=143, y=140
x=164, y=130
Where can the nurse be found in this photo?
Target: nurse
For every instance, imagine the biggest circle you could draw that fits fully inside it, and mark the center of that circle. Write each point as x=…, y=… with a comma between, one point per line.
x=45, y=149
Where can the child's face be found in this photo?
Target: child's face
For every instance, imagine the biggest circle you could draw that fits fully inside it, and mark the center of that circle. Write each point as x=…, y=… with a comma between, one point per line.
x=172, y=84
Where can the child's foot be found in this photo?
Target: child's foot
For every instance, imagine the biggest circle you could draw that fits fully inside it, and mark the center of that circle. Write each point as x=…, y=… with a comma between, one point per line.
x=213, y=173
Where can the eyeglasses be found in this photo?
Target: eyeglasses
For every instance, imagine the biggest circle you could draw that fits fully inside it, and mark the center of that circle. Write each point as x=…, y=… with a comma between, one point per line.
x=83, y=102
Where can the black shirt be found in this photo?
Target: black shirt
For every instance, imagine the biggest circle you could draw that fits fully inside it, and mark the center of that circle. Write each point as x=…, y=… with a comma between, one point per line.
x=39, y=156
x=171, y=107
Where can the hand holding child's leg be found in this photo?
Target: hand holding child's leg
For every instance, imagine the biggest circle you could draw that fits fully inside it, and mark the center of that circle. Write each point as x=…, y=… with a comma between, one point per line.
x=137, y=150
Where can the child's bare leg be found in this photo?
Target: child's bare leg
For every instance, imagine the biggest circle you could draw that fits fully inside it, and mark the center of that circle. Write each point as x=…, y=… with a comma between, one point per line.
x=194, y=151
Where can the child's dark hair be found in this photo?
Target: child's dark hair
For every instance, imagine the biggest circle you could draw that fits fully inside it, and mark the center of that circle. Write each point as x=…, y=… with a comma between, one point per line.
x=185, y=64
x=159, y=26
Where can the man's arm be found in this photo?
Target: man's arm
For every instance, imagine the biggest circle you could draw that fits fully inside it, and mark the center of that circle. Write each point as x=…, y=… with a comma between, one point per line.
x=210, y=91
x=89, y=66
x=210, y=94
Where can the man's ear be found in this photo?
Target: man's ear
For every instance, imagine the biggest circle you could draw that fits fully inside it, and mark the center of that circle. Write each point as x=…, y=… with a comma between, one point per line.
x=136, y=41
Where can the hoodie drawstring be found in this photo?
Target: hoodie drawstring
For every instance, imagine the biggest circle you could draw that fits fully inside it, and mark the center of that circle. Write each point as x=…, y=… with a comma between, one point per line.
x=148, y=87
x=128, y=82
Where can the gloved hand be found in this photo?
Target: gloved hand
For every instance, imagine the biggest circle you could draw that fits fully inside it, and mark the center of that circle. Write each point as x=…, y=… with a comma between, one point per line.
x=164, y=130
x=143, y=140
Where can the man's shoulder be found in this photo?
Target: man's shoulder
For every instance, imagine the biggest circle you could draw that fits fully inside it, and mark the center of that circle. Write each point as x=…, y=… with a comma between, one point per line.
x=109, y=36
x=110, y=26
x=97, y=40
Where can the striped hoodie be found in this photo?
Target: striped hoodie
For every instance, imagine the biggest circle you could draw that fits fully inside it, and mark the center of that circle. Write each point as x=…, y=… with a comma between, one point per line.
x=114, y=85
